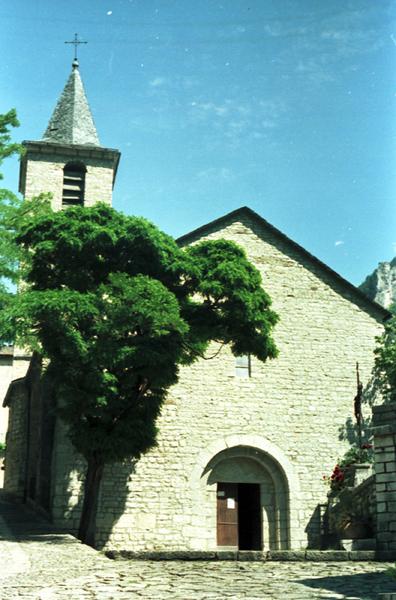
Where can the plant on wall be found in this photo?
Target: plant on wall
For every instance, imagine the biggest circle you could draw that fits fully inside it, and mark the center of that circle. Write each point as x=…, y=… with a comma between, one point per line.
x=385, y=361
x=342, y=475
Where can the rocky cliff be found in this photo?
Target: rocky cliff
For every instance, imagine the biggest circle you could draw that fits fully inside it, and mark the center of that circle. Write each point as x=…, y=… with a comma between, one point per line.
x=381, y=284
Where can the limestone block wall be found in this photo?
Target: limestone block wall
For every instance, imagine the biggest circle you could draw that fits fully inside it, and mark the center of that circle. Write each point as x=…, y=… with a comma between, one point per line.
x=366, y=501
x=361, y=499
x=13, y=364
x=384, y=421
x=15, y=472
x=290, y=411
x=5, y=380
x=44, y=173
x=66, y=482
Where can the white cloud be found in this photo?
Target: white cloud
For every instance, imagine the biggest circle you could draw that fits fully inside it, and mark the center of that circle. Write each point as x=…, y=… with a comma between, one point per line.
x=216, y=174
x=314, y=70
x=339, y=243
x=279, y=29
x=346, y=42
x=329, y=44
x=238, y=120
x=238, y=125
x=158, y=81
x=210, y=107
x=189, y=82
x=268, y=123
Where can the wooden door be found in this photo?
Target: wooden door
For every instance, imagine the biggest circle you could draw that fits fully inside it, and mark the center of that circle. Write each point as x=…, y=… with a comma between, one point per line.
x=227, y=514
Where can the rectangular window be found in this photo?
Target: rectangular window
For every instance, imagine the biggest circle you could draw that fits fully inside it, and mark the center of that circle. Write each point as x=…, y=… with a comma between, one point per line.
x=73, y=184
x=243, y=366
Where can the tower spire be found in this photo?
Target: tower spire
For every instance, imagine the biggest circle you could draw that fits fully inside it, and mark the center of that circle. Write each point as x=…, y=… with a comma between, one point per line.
x=71, y=121
x=69, y=161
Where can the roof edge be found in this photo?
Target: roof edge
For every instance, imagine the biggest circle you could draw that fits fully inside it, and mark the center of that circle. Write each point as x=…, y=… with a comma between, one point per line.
x=248, y=212
x=45, y=145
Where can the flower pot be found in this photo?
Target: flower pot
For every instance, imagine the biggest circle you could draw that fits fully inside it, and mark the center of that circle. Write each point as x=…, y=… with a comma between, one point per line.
x=358, y=472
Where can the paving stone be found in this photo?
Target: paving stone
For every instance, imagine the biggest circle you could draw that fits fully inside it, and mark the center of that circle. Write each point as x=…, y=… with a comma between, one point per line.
x=51, y=565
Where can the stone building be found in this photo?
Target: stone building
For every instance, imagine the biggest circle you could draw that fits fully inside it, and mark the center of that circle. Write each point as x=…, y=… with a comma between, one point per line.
x=242, y=446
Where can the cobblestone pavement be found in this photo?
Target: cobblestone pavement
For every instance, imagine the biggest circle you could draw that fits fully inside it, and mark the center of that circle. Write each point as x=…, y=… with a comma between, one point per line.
x=36, y=562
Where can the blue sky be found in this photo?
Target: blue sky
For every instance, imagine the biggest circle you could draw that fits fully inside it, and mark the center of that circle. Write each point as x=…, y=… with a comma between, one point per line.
x=287, y=106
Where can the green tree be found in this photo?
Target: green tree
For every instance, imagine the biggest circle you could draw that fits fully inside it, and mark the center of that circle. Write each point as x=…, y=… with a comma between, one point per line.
x=385, y=362
x=9, y=204
x=14, y=211
x=7, y=147
x=115, y=307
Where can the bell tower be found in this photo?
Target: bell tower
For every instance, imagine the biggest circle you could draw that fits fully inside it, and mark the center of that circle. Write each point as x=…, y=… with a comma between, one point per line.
x=69, y=161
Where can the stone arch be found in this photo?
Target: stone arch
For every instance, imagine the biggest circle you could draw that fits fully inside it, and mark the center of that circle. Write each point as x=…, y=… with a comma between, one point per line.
x=254, y=459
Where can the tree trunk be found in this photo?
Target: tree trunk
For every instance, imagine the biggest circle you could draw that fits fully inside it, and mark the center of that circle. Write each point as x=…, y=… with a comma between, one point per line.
x=93, y=477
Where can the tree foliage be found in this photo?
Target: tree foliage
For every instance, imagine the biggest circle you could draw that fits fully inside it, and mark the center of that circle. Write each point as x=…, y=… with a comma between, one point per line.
x=7, y=147
x=14, y=212
x=115, y=306
x=8, y=204
x=385, y=362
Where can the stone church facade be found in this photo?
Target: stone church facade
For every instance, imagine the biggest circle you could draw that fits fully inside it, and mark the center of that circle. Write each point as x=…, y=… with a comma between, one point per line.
x=243, y=446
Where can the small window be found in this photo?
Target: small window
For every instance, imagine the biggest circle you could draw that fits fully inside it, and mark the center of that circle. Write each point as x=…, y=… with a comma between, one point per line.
x=243, y=366
x=73, y=184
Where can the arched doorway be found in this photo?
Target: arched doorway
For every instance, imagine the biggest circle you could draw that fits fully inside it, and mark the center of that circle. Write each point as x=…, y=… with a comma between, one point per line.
x=252, y=499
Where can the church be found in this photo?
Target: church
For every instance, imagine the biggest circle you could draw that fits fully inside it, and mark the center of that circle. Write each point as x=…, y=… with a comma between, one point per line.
x=242, y=446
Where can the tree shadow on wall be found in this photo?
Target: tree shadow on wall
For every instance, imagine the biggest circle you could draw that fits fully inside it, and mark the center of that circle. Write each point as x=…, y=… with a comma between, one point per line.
x=53, y=472
x=116, y=488
x=313, y=529
x=113, y=494
x=349, y=430
x=317, y=530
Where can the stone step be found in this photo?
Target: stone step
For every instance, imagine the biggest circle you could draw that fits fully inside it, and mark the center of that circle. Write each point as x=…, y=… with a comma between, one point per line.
x=253, y=555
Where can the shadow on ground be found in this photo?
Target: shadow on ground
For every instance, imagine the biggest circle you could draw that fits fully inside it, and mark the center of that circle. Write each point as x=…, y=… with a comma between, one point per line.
x=25, y=524
x=365, y=586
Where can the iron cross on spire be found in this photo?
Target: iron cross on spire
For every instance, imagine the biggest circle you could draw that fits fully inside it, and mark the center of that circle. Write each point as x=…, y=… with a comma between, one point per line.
x=76, y=42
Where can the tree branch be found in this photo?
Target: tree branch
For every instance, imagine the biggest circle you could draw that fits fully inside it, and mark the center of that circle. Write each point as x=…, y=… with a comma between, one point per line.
x=191, y=349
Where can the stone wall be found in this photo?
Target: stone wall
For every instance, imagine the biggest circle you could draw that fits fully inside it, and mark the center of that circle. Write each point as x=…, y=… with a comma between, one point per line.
x=365, y=500
x=44, y=173
x=6, y=362
x=288, y=413
x=13, y=365
x=357, y=503
x=16, y=451
x=384, y=428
